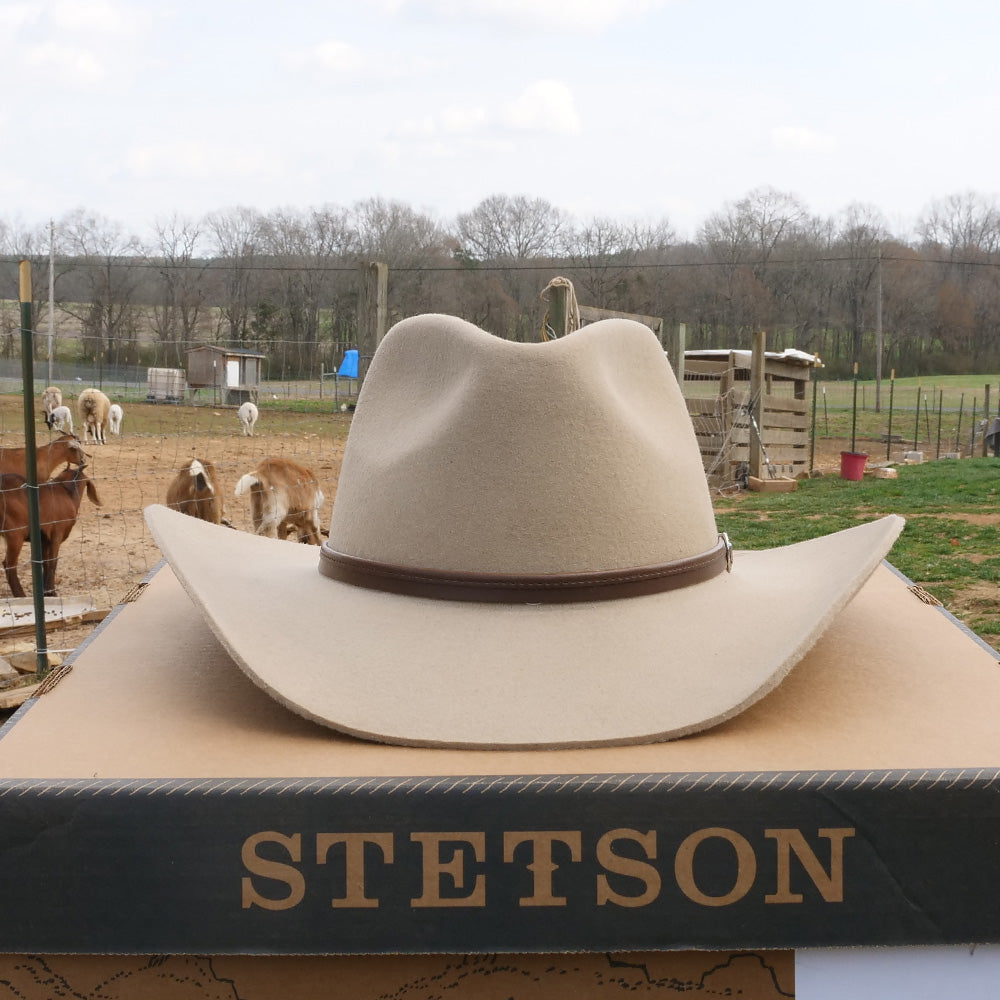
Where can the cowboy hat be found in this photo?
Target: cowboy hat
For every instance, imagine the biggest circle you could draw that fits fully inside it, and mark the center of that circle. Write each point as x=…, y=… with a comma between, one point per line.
x=522, y=553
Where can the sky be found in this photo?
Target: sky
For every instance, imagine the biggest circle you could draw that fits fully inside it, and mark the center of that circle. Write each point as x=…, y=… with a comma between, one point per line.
x=641, y=110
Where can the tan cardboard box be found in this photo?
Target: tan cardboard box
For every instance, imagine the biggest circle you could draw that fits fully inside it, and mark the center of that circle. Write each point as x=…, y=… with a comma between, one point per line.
x=154, y=802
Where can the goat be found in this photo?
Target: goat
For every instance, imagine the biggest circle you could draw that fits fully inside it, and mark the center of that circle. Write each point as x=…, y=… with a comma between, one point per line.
x=248, y=414
x=284, y=496
x=51, y=398
x=193, y=491
x=60, y=419
x=94, y=407
x=115, y=417
x=58, y=507
x=64, y=449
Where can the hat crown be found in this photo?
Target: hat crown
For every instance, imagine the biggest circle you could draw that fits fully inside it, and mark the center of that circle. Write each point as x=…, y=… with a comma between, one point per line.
x=470, y=453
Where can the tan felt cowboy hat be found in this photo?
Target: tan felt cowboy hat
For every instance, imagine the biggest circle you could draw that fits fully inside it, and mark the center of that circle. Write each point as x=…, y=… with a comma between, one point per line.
x=522, y=553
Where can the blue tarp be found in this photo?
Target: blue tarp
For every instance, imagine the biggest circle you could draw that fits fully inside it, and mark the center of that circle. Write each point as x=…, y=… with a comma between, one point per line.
x=349, y=366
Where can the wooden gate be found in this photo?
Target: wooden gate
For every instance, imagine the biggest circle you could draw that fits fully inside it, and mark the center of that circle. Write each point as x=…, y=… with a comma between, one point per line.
x=717, y=389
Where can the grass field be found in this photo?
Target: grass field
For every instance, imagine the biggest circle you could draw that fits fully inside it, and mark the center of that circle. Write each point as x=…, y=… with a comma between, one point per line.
x=921, y=411
x=951, y=543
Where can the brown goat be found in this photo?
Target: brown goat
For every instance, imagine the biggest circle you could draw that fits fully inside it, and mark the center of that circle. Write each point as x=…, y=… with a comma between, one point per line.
x=284, y=497
x=64, y=449
x=195, y=491
x=58, y=507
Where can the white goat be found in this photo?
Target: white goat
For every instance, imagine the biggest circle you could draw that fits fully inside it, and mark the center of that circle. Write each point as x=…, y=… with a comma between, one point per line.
x=194, y=491
x=248, y=414
x=60, y=418
x=93, y=406
x=284, y=496
x=115, y=417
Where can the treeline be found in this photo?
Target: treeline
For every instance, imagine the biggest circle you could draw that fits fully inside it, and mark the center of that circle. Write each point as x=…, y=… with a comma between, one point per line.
x=837, y=287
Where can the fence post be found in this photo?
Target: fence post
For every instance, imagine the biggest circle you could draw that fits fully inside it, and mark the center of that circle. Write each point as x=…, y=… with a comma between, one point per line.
x=31, y=468
x=676, y=345
x=986, y=418
x=558, y=310
x=756, y=429
x=373, y=309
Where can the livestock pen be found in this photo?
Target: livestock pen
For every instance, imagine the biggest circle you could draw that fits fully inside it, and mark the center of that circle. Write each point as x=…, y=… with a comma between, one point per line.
x=110, y=551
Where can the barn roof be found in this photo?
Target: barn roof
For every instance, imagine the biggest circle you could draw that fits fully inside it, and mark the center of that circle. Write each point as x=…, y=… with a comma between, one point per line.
x=243, y=352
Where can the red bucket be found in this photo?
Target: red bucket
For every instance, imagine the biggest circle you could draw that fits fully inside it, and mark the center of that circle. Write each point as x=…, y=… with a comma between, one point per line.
x=852, y=464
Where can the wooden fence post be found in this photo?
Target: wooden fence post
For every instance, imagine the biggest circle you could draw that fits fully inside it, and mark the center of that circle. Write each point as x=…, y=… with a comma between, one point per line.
x=373, y=311
x=986, y=419
x=676, y=344
x=558, y=311
x=756, y=403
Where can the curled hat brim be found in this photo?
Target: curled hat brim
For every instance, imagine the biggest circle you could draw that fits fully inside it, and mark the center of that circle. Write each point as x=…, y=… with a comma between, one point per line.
x=418, y=671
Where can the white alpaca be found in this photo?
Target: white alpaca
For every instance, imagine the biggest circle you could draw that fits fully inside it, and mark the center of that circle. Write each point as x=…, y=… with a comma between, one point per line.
x=115, y=416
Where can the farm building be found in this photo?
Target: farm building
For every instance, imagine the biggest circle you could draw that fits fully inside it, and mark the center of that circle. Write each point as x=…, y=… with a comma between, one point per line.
x=720, y=399
x=232, y=373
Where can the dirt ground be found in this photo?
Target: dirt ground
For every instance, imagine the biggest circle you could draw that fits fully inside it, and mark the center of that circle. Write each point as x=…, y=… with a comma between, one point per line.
x=111, y=550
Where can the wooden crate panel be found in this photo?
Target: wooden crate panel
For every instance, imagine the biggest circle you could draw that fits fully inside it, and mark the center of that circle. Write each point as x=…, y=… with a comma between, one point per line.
x=777, y=418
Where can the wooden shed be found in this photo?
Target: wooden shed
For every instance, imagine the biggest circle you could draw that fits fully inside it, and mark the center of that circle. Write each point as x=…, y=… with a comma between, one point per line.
x=717, y=389
x=233, y=373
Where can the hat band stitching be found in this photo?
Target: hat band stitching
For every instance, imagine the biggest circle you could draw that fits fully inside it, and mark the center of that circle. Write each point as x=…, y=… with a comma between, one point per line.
x=547, y=588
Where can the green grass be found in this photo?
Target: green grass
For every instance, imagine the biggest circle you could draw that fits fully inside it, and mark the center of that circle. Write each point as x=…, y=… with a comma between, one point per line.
x=917, y=408
x=166, y=419
x=947, y=554
x=940, y=409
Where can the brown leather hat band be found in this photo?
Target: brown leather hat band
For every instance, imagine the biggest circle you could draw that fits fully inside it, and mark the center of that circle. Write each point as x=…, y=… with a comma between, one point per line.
x=541, y=589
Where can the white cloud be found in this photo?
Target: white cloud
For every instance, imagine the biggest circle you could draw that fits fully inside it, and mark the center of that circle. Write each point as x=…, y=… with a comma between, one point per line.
x=450, y=121
x=187, y=159
x=543, y=106
x=574, y=16
x=65, y=63
x=327, y=57
x=98, y=16
x=788, y=139
x=18, y=15
x=460, y=121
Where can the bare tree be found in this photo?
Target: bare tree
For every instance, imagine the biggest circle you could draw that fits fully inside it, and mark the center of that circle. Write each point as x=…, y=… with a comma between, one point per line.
x=106, y=264
x=962, y=225
x=413, y=245
x=313, y=248
x=961, y=238
x=859, y=238
x=236, y=237
x=606, y=255
x=31, y=243
x=504, y=228
x=179, y=291
x=506, y=233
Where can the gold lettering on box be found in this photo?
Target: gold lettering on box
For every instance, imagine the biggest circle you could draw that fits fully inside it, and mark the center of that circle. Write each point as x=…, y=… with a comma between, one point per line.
x=746, y=866
x=275, y=870
x=830, y=885
x=616, y=864
x=434, y=868
x=354, y=864
x=541, y=865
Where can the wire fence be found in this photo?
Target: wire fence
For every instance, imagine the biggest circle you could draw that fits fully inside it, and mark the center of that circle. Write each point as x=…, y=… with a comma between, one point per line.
x=109, y=550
